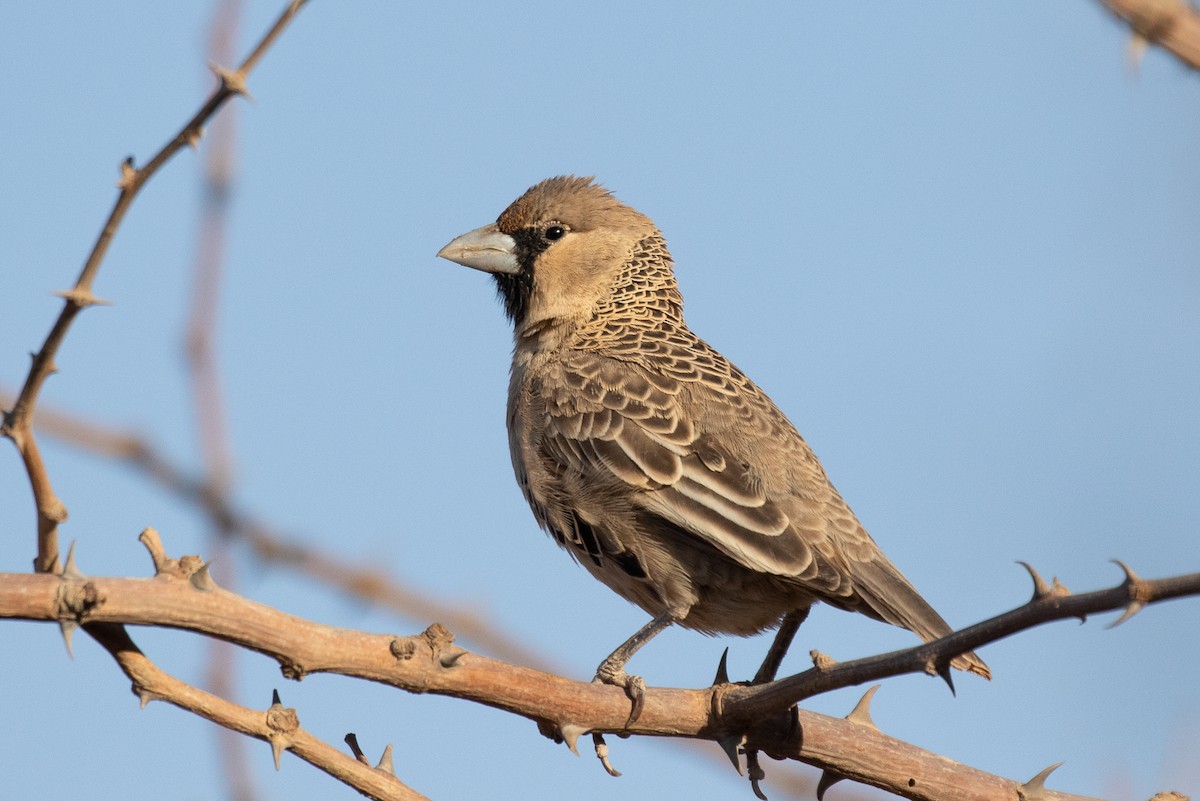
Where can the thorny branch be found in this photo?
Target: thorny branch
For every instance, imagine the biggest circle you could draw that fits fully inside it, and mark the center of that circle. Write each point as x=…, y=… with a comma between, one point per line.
x=367, y=584
x=747, y=718
x=277, y=725
x=16, y=424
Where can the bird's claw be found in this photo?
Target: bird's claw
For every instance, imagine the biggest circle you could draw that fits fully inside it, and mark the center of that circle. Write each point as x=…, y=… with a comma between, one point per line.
x=634, y=687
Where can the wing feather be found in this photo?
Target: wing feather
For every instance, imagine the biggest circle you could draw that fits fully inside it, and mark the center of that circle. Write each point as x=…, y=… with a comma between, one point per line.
x=618, y=422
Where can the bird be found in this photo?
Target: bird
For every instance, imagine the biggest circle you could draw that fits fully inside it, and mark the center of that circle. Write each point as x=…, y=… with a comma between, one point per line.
x=654, y=461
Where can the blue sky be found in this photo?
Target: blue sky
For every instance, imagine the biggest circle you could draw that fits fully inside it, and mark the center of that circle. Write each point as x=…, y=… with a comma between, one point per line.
x=956, y=243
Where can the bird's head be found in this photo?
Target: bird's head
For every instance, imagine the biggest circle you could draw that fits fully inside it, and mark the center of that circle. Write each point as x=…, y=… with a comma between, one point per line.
x=558, y=252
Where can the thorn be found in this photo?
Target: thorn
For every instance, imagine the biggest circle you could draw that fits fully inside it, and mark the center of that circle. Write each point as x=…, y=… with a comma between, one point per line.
x=756, y=774
x=1059, y=590
x=193, y=137
x=602, y=754
x=233, y=81
x=827, y=780
x=449, y=657
x=1137, y=597
x=81, y=298
x=68, y=627
x=722, y=676
x=275, y=698
x=276, y=748
x=202, y=579
x=70, y=569
x=145, y=696
x=1035, y=788
x=934, y=668
x=1131, y=578
x=1040, y=588
x=351, y=739
x=385, y=761
x=861, y=713
x=730, y=746
x=569, y=732
x=1131, y=610
x=129, y=174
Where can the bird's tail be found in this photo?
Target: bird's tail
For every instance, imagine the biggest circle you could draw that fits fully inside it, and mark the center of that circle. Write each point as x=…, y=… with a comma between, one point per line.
x=886, y=592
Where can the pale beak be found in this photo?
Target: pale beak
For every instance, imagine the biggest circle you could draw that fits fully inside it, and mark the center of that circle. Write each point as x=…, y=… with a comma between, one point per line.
x=484, y=249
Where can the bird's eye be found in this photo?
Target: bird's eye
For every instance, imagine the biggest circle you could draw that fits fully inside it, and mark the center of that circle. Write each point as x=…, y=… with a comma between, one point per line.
x=554, y=232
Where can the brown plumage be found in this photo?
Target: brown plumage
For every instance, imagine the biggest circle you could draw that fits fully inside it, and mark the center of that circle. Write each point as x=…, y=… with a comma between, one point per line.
x=650, y=458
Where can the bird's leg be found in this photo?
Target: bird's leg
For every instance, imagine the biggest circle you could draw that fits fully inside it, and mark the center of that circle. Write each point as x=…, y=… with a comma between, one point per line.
x=779, y=647
x=612, y=669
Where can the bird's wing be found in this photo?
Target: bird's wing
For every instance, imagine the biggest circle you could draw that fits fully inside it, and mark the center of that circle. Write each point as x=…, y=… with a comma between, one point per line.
x=613, y=421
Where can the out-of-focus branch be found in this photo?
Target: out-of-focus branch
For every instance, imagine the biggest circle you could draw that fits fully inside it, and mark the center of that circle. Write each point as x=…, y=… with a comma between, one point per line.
x=17, y=422
x=208, y=401
x=183, y=596
x=1173, y=25
x=361, y=583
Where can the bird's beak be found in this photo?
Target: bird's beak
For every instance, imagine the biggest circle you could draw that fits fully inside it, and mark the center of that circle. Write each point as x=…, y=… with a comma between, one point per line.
x=484, y=249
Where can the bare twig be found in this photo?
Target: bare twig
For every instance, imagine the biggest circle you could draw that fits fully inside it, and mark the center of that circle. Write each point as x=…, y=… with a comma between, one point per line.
x=430, y=662
x=17, y=422
x=1048, y=604
x=1173, y=25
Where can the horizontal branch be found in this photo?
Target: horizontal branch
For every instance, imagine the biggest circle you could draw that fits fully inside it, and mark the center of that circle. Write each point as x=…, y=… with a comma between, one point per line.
x=183, y=596
x=364, y=583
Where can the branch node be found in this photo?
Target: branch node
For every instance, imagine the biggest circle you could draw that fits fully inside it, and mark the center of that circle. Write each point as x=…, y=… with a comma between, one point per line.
x=1035, y=788
x=717, y=702
x=233, y=81
x=282, y=723
x=192, y=136
x=861, y=713
x=602, y=754
x=1138, y=594
x=827, y=780
x=440, y=641
x=129, y=175
x=74, y=598
x=402, y=648
x=821, y=661
x=569, y=734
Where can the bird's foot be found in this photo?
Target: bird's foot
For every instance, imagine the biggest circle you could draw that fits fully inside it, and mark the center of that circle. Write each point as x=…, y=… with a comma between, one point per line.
x=612, y=672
